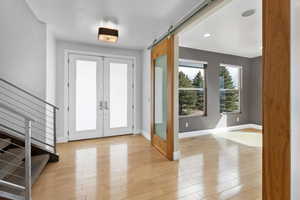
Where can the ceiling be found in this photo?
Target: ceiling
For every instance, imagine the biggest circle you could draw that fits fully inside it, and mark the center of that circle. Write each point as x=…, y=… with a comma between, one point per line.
x=139, y=21
x=230, y=32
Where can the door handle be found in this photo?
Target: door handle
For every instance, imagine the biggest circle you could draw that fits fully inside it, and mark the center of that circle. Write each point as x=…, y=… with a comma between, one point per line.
x=106, y=105
x=101, y=105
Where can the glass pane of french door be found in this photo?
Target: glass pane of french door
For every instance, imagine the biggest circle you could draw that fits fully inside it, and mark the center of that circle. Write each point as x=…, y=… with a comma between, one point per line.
x=118, y=96
x=118, y=81
x=85, y=94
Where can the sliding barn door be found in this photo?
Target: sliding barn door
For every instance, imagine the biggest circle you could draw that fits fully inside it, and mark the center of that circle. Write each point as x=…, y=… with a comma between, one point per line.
x=162, y=78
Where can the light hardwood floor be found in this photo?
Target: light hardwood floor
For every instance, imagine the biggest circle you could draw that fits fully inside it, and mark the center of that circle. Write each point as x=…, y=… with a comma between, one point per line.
x=128, y=167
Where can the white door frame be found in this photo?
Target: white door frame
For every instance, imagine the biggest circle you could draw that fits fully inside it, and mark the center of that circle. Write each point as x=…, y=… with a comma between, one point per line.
x=67, y=53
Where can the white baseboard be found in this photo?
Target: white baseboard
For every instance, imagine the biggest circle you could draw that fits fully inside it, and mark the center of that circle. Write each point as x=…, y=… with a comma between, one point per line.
x=62, y=140
x=146, y=135
x=256, y=126
x=176, y=155
x=218, y=130
x=65, y=139
x=137, y=131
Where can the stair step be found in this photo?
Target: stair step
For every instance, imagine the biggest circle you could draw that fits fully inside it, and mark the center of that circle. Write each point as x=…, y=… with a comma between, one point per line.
x=10, y=160
x=4, y=143
x=38, y=163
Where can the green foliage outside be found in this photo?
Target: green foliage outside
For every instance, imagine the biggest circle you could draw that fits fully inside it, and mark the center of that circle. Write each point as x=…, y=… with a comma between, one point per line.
x=190, y=100
x=229, y=100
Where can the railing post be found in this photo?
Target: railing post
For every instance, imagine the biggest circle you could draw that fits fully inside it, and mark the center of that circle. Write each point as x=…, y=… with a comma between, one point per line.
x=54, y=128
x=27, y=159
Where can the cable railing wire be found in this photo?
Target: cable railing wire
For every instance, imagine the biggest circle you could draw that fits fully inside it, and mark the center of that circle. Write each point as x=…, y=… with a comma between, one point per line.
x=44, y=114
x=24, y=91
x=20, y=133
x=35, y=136
x=21, y=120
x=38, y=122
x=26, y=111
x=24, y=98
x=34, y=132
x=12, y=116
x=38, y=111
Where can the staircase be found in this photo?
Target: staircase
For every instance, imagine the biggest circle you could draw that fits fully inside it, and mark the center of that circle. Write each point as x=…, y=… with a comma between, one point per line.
x=27, y=140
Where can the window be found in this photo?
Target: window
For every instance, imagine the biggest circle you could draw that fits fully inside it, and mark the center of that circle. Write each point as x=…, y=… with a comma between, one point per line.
x=230, y=88
x=192, y=88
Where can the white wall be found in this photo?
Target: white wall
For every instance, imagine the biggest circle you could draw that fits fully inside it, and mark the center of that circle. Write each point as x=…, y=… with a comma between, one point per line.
x=22, y=47
x=51, y=67
x=146, y=92
x=295, y=98
x=61, y=46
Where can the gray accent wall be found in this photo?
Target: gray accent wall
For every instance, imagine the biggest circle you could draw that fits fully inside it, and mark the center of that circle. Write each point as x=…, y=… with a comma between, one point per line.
x=214, y=118
x=255, y=91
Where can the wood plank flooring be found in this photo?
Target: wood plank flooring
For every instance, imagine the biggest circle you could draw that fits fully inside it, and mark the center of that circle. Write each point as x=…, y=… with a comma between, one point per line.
x=127, y=167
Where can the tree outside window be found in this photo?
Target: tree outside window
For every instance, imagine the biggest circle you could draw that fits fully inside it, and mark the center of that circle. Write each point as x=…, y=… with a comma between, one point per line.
x=192, y=90
x=230, y=88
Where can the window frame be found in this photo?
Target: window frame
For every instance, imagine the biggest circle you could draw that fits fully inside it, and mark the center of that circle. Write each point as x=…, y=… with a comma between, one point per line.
x=205, y=65
x=240, y=88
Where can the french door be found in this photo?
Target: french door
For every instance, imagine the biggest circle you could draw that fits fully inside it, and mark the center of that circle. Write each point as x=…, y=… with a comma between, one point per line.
x=100, y=97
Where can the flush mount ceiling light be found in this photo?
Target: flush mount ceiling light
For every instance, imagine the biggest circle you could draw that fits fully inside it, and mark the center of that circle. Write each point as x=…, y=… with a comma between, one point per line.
x=108, y=34
x=206, y=35
x=248, y=13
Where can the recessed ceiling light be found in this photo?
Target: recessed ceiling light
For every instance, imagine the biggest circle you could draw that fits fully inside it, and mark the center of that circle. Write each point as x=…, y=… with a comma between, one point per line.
x=248, y=13
x=206, y=35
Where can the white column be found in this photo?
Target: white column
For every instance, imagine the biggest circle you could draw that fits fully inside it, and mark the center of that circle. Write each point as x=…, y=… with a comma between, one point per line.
x=295, y=99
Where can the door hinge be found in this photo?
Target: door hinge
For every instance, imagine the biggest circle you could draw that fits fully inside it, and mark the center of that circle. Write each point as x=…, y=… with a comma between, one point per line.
x=68, y=60
x=68, y=109
x=68, y=133
x=132, y=106
x=68, y=84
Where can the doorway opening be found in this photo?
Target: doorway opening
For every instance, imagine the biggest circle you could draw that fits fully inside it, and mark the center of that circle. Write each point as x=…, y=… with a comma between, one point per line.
x=219, y=72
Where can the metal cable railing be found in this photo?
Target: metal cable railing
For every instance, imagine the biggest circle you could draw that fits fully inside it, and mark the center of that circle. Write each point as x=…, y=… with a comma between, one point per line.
x=12, y=155
x=44, y=113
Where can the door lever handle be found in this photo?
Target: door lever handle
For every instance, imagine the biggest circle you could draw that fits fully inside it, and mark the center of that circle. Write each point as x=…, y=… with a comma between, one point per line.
x=106, y=106
x=101, y=105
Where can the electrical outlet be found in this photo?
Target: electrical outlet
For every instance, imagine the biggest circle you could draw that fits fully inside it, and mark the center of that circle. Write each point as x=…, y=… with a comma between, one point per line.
x=238, y=119
x=186, y=124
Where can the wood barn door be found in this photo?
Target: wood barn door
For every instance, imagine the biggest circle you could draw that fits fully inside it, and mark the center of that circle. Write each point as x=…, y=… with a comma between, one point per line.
x=162, y=81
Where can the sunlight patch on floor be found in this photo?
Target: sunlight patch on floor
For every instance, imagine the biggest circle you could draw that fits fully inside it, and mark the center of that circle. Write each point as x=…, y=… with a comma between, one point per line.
x=252, y=139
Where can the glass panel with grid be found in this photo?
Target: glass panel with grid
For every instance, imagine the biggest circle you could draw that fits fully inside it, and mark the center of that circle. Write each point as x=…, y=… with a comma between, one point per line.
x=192, y=89
x=230, y=88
